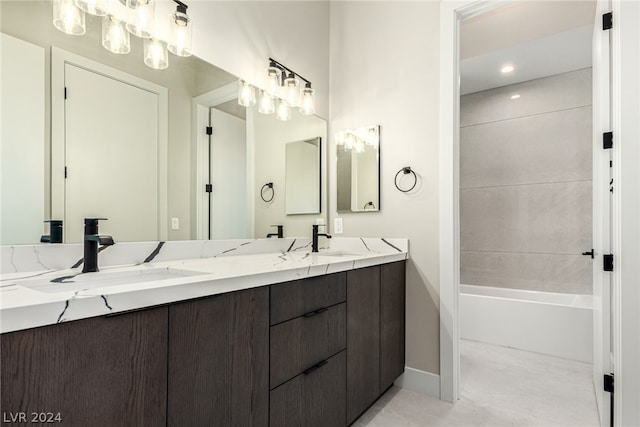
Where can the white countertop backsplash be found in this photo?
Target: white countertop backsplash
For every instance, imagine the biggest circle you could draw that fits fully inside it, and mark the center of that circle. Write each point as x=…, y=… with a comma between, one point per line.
x=44, y=284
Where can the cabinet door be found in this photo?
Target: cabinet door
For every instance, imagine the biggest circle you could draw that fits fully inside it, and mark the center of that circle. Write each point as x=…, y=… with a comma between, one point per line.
x=219, y=360
x=363, y=340
x=392, y=323
x=96, y=371
x=315, y=398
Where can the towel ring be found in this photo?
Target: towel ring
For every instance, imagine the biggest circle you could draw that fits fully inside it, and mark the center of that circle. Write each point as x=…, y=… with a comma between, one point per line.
x=406, y=170
x=369, y=204
x=273, y=193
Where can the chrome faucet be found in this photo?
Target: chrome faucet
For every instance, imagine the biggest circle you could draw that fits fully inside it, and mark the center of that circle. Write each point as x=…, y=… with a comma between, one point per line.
x=314, y=239
x=279, y=234
x=91, y=241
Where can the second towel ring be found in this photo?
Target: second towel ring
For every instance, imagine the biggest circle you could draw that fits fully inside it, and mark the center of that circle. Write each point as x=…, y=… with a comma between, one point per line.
x=273, y=192
x=405, y=171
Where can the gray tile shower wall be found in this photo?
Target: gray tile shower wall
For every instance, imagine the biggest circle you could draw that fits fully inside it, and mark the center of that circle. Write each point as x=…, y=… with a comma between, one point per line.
x=525, y=185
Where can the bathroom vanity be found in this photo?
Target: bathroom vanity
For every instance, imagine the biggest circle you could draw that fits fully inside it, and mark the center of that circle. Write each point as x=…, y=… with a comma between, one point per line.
x=280, y=337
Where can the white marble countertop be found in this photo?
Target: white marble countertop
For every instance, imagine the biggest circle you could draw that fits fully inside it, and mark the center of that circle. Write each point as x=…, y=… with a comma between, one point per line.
x=47, y=296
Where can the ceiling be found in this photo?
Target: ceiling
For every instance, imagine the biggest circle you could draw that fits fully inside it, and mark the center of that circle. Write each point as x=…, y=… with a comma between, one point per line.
x=538, y=38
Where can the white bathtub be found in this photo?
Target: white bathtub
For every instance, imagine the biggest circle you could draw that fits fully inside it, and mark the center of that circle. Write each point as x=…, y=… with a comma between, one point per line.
x=545, y=322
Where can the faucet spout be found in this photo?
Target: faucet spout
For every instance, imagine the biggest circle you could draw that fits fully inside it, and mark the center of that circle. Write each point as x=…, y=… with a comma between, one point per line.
x=91, y=241
x=315, y=235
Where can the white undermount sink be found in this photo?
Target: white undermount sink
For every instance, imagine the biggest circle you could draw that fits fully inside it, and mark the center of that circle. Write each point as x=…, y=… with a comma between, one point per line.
x=102, y=279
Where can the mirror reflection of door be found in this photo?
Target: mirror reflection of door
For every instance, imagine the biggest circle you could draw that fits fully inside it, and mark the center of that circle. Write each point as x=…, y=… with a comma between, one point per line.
x=111, y=157
x=228, y=169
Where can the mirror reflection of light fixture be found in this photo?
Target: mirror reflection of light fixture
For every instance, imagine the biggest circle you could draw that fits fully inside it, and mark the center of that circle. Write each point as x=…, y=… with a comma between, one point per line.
x=246, y=94
x=283, y=112
x=155, y=54
x=359, y=139
x=141, y=18
x=93, y=7
x=182, y=30
x=267, y=103
x=115, y=37
x=68, y=18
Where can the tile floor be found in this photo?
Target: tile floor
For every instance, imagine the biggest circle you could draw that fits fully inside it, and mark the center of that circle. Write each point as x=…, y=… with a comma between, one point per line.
x=500, y=387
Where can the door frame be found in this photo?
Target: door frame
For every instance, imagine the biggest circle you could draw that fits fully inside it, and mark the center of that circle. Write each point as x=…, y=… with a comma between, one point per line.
x=60, y=57
x=451, y=14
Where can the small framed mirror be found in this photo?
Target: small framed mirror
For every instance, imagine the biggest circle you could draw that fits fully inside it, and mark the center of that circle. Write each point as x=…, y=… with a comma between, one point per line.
x=303, y=177
x=358, y=169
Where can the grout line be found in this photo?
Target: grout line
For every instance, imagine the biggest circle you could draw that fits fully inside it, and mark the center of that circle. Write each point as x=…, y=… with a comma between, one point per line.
x=523, y=252
x=526, y=116
x=525, y=184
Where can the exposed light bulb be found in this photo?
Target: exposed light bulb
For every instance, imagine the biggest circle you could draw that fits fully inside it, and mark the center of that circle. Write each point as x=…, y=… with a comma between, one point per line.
x=267, y=103
x=115, y=38
x=283, y=112
x=141, y=22
x=68, y=18
x=307, y=103
x=155, y=54
x=246, y=94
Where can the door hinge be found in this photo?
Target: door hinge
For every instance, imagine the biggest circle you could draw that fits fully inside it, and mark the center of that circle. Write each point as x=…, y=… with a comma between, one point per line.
x=607, y=140
x=65, y=92
x=209, y=130
x=607, y=262
x=65, y=172
x=607, y=21
x=208, y=188
x=608, y=383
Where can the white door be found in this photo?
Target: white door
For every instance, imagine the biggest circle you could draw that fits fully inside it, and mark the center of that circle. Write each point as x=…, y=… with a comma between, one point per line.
x=111, y=156
x=601, y=214
x=228, y=173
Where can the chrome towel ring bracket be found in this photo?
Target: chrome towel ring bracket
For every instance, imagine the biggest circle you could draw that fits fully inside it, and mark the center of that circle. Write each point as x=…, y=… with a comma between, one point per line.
x=405, y=171
x=267, y=186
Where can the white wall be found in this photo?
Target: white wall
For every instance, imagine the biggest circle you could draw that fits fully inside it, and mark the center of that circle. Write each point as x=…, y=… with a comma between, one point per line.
x=240, y=36
x=384, y=70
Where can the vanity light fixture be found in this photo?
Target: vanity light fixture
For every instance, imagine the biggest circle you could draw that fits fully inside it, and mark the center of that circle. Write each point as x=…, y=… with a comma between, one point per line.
x=246, y=94
x=93, y=7
x=358, y=140
x=68, y=18
x=141, y=18
x=283, y=112
x=155, y=54
x=115, y=37
x=267, y=103
x=182, y=30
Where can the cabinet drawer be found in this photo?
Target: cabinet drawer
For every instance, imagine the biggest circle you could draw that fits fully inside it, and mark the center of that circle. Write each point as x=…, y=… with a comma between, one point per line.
x=304, y=341
x=293, y=299
x=313, y=399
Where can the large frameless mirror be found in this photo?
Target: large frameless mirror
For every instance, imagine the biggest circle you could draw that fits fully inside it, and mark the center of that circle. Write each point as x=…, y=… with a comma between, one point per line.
x=358, y=169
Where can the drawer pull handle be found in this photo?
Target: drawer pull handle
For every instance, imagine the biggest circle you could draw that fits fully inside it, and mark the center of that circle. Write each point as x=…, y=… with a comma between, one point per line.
x=314, y=367
x=313, y=313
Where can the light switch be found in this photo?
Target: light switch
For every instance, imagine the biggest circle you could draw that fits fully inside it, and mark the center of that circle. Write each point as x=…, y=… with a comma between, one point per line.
x=337, y=226
x=175, y=224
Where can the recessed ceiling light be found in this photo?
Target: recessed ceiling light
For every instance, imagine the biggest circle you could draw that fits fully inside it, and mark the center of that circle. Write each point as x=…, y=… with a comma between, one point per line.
x=515, y=96
x=507, y=69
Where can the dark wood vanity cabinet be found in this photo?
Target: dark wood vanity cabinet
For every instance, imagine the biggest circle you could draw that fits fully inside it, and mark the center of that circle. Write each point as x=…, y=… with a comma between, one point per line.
x=375, y=331
x=219, y=360
x=96, y=371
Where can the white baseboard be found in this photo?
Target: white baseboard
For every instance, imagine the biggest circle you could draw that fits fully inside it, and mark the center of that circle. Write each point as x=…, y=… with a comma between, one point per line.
x=420, y=381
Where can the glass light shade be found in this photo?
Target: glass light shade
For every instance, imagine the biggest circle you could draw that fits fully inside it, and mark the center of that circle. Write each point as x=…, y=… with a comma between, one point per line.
x=115, y=37
x=371, y=137
x=141, y=18
x=340, y=138
x=291, y=90
x=182, y=30
x=283, y=112
x=267, y=103
x=155, y=54
x=68, y=18
x=94, y=7
x=358, y=146
x=307, y=101
x=246, y=94
x=273, y=80
x=349, y=140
